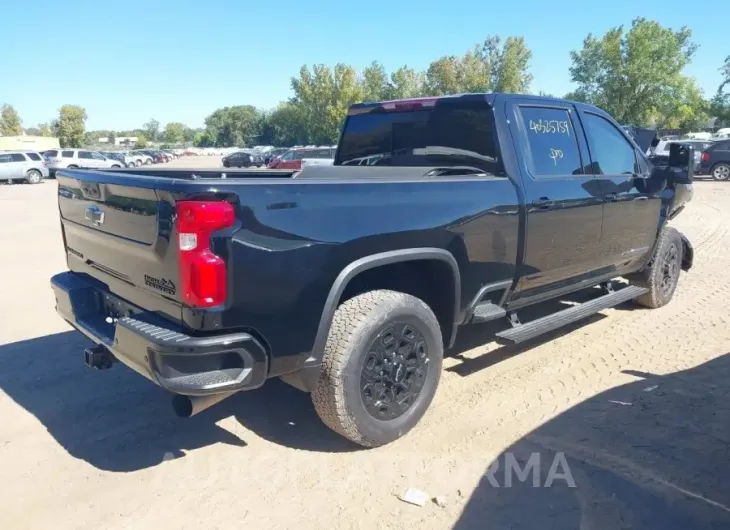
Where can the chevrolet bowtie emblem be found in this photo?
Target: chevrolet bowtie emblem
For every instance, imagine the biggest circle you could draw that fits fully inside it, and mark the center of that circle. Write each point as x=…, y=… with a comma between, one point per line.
x=95, y=215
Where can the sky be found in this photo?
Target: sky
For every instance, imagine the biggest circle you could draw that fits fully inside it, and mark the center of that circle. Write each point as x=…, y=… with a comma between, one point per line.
x=126, y=62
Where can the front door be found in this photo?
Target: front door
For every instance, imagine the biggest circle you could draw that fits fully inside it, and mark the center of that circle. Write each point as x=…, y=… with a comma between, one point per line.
x=86, y=160
x=563, y=200
x=631, y=214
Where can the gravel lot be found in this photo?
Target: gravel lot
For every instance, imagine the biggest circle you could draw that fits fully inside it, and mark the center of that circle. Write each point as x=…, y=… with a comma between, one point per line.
x=636, y=400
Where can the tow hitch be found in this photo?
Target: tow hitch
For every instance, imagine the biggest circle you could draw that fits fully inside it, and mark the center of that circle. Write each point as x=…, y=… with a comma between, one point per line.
x=99, y=357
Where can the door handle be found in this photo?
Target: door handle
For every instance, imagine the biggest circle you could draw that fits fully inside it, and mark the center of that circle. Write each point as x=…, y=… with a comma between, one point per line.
x=543, y=203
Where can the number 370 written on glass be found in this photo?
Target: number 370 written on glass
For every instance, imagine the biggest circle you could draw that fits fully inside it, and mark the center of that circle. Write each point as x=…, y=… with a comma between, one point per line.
x=550, y=127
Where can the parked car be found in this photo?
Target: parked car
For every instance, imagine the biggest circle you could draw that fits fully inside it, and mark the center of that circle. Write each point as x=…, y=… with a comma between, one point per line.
x=22, y=165
x=124, y=158
x=716, y=160
x=292, y=159
x=243, y=159
x=350, y=281
x=273, y=153
x=78, y=158
x=155, y=156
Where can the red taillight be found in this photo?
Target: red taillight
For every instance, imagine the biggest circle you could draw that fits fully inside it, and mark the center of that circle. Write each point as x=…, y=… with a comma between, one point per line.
x=202, y=273
x=705, y=156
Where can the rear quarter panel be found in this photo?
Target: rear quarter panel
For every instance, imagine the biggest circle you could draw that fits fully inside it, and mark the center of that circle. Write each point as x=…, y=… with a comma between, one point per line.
x=297, y=236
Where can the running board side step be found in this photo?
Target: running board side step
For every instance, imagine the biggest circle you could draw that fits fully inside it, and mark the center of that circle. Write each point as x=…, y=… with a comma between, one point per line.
x=535, y=328
x=487, y=311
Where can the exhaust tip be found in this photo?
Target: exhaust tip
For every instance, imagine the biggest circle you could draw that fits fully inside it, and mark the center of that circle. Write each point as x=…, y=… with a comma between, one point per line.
x=187, y=406
x=182, y=406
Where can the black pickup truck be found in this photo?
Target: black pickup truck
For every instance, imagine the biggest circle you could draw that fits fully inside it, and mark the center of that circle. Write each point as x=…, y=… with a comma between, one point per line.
x=351, y=281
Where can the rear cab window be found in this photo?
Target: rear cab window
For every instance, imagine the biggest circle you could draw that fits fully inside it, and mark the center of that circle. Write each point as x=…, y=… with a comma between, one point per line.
x=552, y=144
x=445, y=132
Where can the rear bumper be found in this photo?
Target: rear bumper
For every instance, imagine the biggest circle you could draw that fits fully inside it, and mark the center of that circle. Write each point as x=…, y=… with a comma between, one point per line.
x=153, y=347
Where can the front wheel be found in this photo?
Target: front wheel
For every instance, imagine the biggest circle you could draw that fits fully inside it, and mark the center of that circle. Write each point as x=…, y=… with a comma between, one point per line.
x=662, y=274
x=381, y=367
x=721, y=172
x=33, y=176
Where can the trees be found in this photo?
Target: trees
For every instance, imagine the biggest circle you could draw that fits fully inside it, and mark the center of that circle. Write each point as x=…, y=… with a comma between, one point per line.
x=10, y=122
x=174, y=133
x=233, y=126
x=141, y=141
x=286, y=125
x=112, y=138
x=42, y=129
x=636, y=75
x=152, y=130
x=488, y=67
x=720, y=105
x=70, y=126
x=322, y=96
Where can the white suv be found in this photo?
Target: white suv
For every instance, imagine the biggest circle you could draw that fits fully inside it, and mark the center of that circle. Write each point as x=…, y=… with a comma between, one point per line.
x=77, y=158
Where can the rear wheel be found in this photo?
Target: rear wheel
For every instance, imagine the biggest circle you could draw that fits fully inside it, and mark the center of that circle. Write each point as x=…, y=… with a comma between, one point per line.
x=381, y=367
x=662, y=274
x=33, y=176
x=721, y=172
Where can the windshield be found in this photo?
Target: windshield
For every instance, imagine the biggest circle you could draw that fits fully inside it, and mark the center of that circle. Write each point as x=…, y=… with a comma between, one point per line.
x=446, y=135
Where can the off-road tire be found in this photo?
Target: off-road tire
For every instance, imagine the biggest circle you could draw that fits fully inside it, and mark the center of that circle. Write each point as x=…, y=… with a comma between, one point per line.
x=355, y=326
x=654, y=274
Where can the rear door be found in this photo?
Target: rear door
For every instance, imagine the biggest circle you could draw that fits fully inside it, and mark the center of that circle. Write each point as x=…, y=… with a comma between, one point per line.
x=86, y=160
x=564, y=201
x=631, y=213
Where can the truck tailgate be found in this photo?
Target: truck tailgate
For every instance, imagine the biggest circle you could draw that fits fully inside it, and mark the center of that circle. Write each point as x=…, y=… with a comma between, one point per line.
x=121, y=235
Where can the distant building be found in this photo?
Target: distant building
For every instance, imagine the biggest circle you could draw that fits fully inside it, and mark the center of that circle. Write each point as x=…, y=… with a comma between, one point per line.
x=33, y=143
x=119, y=140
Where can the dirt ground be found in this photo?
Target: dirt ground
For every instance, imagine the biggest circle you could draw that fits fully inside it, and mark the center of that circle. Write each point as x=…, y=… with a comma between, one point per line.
x=637, y=402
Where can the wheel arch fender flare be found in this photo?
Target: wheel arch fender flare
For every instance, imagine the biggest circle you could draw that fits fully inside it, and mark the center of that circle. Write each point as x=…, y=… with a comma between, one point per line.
x=370, y=262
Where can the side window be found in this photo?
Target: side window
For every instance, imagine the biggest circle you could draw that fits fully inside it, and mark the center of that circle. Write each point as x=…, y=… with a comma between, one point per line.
x=551, y=141
x=298, y=155
x=67, y=154
x=611, y=152
x=4, y=159
x=287, y=156
x=50, y=154
x=17, y=157
x=97, y=156
x=33, y=156
x=85, y=155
